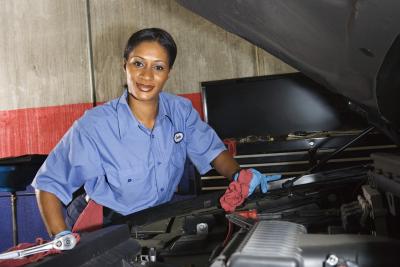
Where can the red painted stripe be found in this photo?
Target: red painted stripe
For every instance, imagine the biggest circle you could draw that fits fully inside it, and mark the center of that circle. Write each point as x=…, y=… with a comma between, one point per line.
x=38, y=130
x=196, y=101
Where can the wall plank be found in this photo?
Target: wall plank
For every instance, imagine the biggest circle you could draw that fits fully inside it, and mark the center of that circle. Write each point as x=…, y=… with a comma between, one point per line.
x=43, y=53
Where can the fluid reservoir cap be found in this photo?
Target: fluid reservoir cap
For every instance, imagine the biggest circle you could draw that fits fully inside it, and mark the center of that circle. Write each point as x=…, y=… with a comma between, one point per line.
x=202, y=228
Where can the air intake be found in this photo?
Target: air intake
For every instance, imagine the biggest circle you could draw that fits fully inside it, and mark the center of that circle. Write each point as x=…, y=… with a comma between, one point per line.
x=270, y=243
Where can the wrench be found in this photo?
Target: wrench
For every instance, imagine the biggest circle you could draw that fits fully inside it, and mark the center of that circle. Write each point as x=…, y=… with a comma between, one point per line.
x=65, y=242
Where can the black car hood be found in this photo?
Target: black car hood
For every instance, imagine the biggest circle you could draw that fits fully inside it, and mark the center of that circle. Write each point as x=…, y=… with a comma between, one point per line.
x=352, y=47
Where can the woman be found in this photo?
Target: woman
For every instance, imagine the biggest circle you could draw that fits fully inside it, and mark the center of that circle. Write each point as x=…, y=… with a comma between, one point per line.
x=129, y=153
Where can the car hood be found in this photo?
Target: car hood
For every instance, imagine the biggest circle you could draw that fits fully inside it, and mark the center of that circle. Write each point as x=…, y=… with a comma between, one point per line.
x=352, y=47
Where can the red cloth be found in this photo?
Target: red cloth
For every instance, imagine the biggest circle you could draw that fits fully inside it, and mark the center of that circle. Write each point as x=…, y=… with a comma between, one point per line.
x=90, y=219
x=237, y=191
x=31, y=258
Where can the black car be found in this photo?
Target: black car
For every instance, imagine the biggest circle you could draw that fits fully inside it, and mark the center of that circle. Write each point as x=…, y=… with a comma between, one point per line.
x=341, y=207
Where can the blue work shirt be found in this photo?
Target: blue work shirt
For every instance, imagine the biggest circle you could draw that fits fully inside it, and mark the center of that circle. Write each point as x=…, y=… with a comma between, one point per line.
x=122, y=164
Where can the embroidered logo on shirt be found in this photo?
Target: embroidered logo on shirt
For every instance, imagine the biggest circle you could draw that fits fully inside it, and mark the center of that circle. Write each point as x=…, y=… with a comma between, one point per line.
x=178, y=137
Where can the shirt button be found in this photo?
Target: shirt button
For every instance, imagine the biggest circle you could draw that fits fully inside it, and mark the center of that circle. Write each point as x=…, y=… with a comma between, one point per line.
x=152, y=136
x=162, y=189
x=159, y=163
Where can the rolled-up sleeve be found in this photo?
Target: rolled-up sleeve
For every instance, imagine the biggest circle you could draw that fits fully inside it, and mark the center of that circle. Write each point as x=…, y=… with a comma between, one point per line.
x=74, y=160
x=203, y=145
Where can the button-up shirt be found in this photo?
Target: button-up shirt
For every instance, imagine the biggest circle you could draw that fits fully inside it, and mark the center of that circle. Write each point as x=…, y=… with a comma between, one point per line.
x=122, y=164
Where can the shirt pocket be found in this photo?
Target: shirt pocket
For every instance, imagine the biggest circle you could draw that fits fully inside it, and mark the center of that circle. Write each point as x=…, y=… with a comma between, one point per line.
x=178, y=156
x=133, y=183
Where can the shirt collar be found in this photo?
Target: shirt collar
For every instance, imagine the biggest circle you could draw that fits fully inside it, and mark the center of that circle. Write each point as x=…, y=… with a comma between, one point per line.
x=125, y=115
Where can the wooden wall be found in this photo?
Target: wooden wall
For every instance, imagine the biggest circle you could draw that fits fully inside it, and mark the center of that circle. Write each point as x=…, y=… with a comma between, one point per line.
x=59, y=56
x=43, y=53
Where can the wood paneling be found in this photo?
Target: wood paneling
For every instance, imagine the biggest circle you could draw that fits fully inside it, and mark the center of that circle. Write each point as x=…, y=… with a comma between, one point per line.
x=44, y=50
x=43, y=53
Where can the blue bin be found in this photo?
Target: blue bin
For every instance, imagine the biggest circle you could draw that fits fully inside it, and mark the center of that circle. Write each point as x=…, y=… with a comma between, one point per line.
x=16, y=174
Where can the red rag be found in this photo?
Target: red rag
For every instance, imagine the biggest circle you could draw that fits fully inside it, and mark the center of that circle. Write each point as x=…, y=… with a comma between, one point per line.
x=237, y=191
x=90, y=219
x=31, y=258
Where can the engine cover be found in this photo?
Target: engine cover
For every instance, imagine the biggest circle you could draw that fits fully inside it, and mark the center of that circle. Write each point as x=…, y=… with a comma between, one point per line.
x=270, y=243
x=281, y=244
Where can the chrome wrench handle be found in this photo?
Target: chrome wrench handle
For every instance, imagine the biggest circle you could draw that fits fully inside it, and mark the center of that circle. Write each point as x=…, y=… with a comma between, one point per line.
x=65, y=242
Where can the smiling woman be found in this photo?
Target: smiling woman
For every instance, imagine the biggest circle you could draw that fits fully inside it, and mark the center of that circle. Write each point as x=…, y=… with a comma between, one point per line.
x=129, y=154
x=148, y=58
x=147, y=70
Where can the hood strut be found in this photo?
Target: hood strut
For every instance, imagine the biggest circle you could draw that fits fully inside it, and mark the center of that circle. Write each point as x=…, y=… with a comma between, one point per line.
x=289, y=184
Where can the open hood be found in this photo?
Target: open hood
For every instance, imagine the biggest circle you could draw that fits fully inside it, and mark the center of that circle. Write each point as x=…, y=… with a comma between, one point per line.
x=352, y=47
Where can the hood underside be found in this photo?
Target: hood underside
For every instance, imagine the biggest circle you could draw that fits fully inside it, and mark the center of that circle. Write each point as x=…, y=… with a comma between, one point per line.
x=352, y=47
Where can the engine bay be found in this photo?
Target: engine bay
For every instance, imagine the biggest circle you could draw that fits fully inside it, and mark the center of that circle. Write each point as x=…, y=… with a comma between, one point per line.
x=339, y=218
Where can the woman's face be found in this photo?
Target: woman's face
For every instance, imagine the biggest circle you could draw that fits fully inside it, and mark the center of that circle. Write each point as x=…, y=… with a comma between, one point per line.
x=147, y=70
